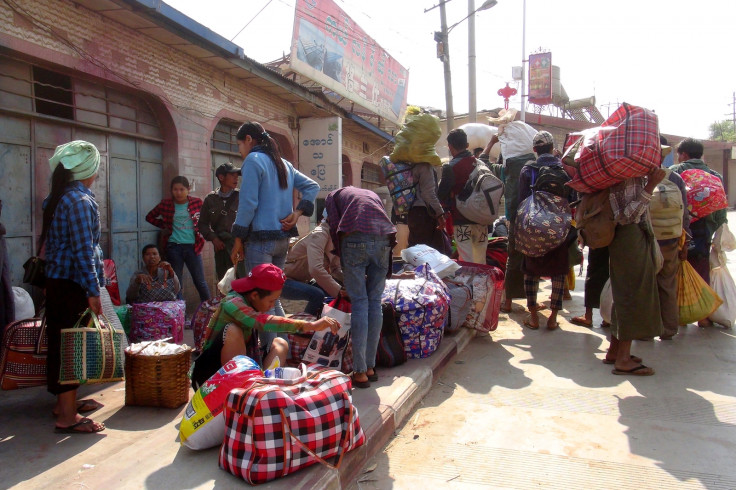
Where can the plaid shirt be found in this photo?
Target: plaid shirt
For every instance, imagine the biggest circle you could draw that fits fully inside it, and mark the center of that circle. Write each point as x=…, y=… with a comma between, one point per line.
x=235, y=309
x=629, y=201
x=351, y=210
x=162, y=216
x=73, y=245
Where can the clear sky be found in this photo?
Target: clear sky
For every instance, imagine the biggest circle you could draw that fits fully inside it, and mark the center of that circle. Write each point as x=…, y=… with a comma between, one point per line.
x=675, y=57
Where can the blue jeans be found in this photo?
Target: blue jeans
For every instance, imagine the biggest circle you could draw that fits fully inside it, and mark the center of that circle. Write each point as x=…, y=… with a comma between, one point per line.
x=302, y=291
x=259, y=252
x=179, y=254
x=365, y=261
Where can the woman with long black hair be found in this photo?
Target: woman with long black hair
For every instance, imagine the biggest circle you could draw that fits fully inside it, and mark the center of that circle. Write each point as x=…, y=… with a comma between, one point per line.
x=74, y=272
x=266, y=217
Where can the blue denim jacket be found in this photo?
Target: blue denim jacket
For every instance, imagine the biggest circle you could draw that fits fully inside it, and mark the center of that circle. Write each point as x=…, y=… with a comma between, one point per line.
x=263, y=204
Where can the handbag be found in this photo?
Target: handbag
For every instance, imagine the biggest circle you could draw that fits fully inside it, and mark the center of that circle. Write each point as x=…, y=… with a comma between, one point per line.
x=91, y=351
x=35, y=271
x=23, y=355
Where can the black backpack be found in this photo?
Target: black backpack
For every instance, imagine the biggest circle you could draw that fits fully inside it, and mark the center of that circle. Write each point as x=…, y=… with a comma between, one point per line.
x=390, y=351
x=552, y=179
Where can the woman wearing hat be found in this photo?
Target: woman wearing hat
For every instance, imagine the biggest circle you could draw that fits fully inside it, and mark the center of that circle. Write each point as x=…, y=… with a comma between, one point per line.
x=241, y=312
x=74, y=272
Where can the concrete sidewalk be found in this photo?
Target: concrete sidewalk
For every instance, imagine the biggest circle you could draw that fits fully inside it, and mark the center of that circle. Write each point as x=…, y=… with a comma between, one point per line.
x=140, y=448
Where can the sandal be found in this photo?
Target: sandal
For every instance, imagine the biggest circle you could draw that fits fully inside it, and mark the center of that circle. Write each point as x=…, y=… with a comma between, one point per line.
x=75, y=428
x=613, y=361
x=528, y=324
x=84, y=406
x=581, y=321
x=640, y=370
x=359, y=384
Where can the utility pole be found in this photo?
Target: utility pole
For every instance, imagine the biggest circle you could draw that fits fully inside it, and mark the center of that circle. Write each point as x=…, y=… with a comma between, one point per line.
x=443, y=53
x=449, y=113
x=472, y=111
x=523, y=62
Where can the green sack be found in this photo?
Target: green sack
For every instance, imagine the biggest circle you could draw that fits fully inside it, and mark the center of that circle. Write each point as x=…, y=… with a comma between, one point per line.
x=123, y=312
x=416, y=139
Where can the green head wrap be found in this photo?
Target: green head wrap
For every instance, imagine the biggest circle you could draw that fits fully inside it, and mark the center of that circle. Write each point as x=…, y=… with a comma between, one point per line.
x=80, y=157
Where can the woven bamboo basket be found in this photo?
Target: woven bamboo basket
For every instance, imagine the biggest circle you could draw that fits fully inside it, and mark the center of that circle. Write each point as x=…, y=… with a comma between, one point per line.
x=157, y=381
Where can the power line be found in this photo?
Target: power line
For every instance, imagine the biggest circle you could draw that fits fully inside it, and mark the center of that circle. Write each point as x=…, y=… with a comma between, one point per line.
x=251, y=20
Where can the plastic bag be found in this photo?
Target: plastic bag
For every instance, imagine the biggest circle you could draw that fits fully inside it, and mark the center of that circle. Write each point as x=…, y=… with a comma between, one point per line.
x=725, y=239
x=723, y=285
x=695, y=297
x=203, y=423
x=416, y=139
x=424, y=254
x=606, y=302
x=327, y=349
x=23, y=303
x=224, y=285
x=516, y=139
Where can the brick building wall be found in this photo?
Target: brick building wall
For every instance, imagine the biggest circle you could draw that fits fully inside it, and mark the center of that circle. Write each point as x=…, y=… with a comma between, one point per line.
x=194, y=96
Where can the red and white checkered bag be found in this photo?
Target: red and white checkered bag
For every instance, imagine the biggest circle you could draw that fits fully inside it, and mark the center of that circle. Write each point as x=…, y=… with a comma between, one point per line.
x=279, y=426
x=625, y=146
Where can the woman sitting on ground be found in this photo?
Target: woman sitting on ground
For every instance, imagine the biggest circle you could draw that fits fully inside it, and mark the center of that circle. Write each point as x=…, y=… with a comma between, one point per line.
x=157, y=282
x=242, y=311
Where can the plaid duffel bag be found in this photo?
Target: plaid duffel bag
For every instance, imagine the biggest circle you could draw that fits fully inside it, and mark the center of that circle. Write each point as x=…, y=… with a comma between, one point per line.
x=625, y=146
x=279, y=426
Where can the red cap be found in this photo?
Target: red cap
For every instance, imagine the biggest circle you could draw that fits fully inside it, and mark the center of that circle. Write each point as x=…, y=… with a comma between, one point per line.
x=263, y=276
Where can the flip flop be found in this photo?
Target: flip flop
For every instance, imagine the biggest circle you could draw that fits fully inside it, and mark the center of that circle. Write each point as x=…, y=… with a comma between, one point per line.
x=632, y=357
x=360, y=384
x=529, y=325
x=640, y=370
x=555, y=327
x=84, y=406
x=74, y=429
x=580, y=321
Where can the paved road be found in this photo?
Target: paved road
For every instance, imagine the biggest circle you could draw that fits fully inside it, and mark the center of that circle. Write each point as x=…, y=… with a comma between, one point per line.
x=537, y=409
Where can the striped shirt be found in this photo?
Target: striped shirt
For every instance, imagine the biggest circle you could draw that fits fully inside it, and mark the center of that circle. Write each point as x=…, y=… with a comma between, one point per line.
x=235, y=309
x=73, y=245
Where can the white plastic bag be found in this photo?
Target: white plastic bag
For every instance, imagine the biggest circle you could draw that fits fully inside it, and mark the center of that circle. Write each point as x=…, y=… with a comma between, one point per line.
x=478, y=134
x=424, y=254
x=516, y=139
x=224, y=285
x=727, y=240
x=607, y=302
x=722, y=283
x=23, y=303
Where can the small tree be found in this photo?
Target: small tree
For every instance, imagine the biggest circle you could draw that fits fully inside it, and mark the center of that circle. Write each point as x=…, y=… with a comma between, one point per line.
x=722, y=131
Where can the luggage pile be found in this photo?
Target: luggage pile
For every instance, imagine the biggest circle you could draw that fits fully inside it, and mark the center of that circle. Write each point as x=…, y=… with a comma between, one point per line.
x=422, y=305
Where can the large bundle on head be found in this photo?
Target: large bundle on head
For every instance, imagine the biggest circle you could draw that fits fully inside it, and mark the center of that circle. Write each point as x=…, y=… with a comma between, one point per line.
x=479, y=135
x=417, y=137
x=626, y=145
x=514, y=136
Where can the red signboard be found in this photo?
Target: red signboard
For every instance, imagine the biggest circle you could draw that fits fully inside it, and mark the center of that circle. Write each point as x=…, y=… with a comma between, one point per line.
x=540, y=78
x=331, y=49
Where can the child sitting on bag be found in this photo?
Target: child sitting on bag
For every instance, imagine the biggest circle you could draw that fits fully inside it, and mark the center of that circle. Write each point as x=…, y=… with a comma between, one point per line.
x=243, y=310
